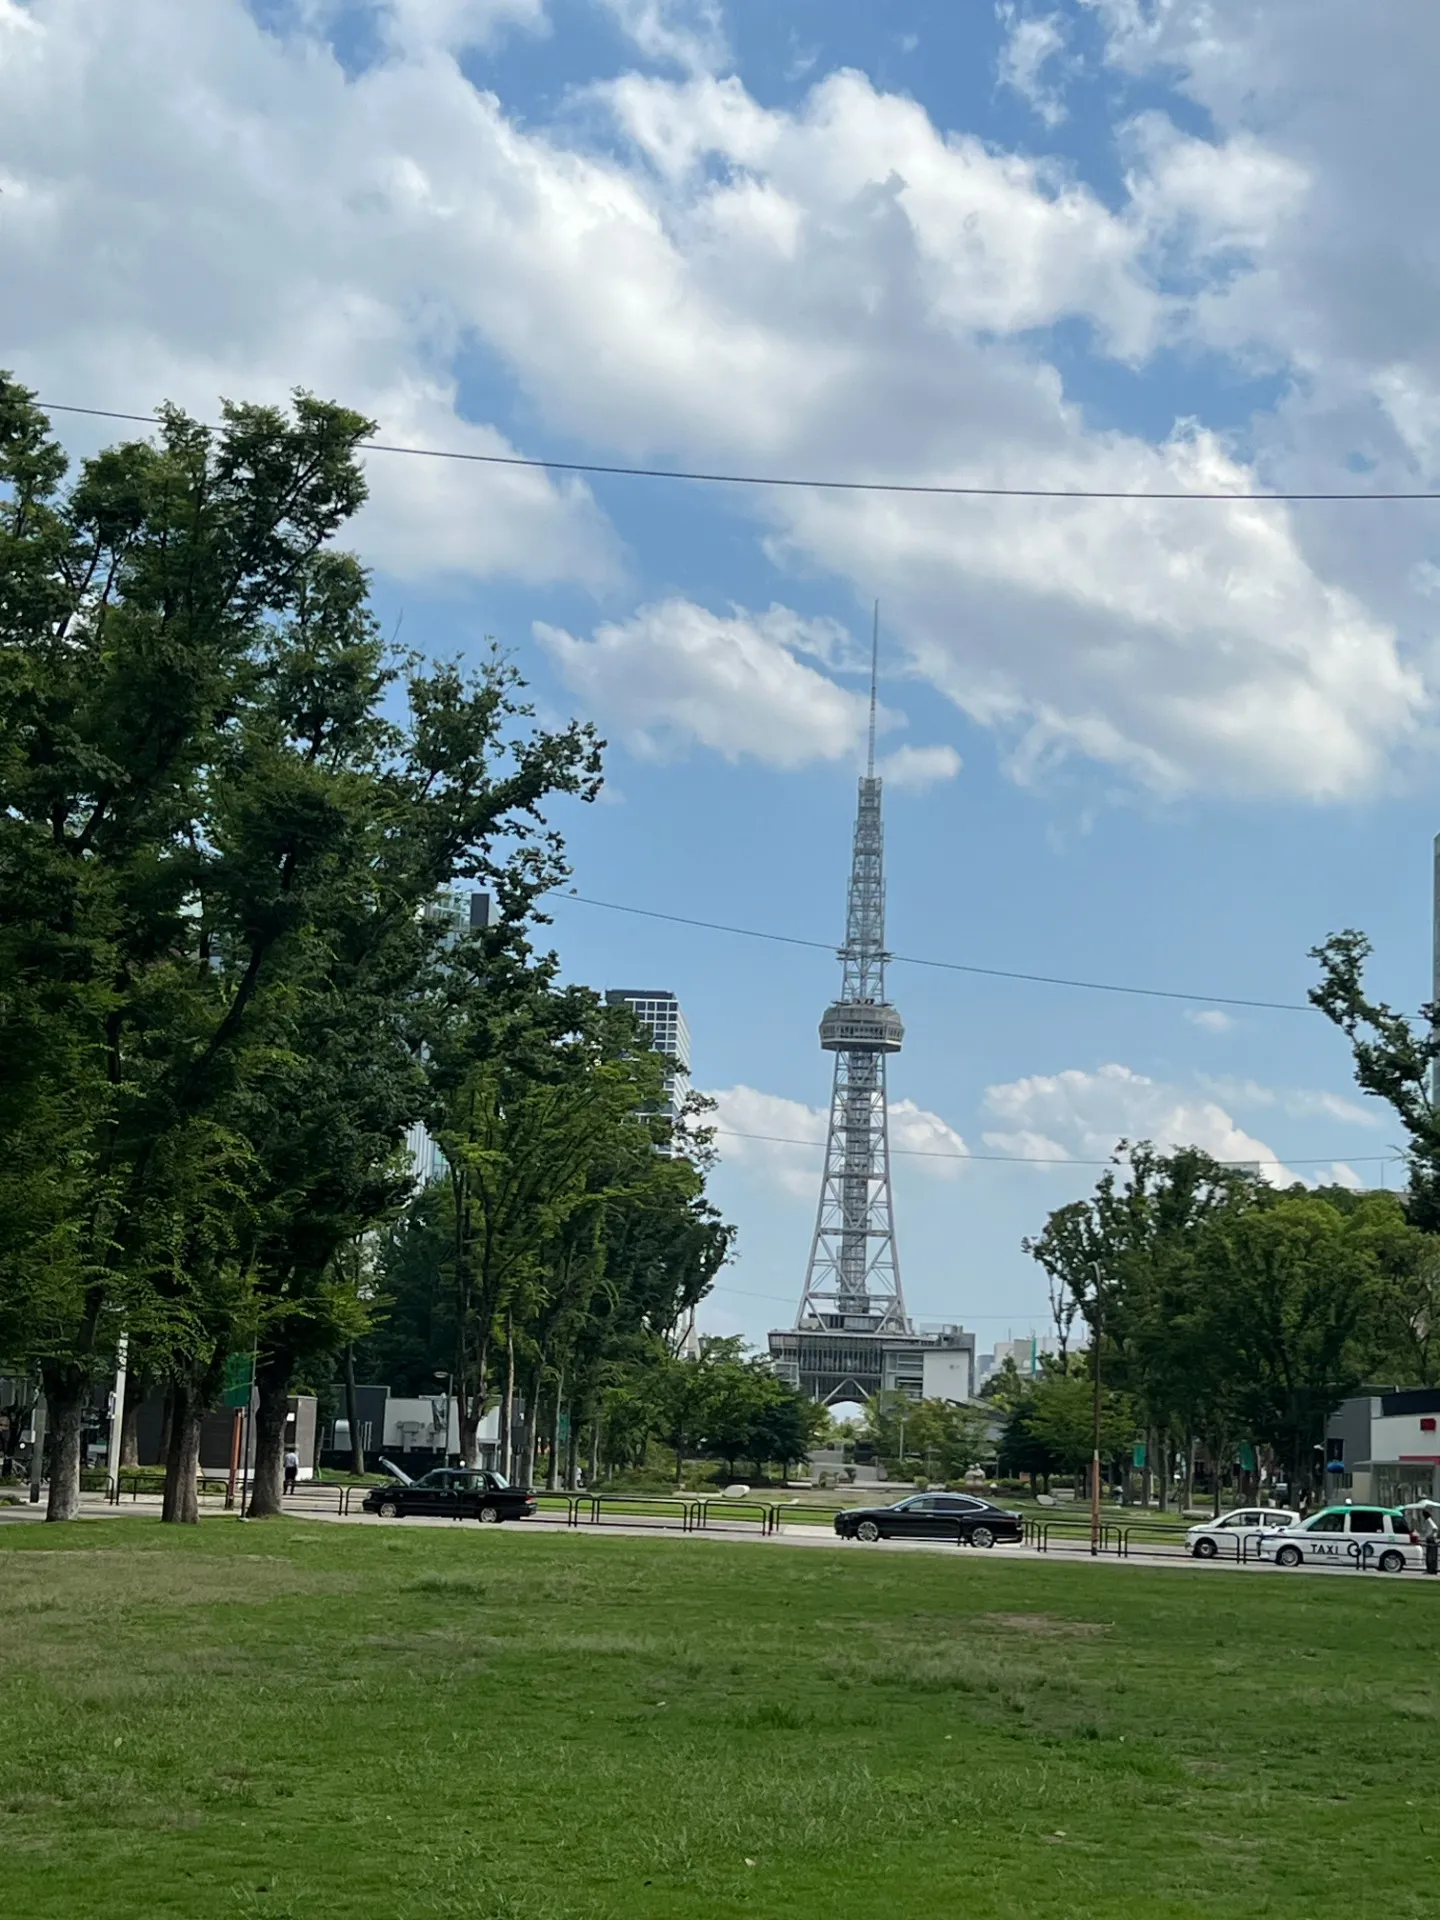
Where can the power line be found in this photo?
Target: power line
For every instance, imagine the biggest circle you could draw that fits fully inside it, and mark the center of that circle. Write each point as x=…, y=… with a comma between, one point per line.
x=948, y=966
x=821, y=485
x=1064, y=1160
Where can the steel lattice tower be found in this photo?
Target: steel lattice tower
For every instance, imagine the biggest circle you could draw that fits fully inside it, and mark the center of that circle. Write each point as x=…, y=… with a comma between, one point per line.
x=853, y=1280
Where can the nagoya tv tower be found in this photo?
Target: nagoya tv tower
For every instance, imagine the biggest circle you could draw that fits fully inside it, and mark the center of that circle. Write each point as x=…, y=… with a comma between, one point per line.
x=852, y=1284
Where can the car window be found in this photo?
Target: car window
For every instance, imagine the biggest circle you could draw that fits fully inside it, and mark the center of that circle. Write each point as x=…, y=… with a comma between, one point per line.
x=1366, y=1520
x=435, y=1478
x=1399, y=1524
x=1326, y=1523
x=1251, y=1519
x=921, y=1504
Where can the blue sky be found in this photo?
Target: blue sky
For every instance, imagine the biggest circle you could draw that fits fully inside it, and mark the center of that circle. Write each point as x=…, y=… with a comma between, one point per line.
x=1141, y=245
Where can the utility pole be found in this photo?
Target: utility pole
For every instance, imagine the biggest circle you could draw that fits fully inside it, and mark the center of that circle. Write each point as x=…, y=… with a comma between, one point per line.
x=1096, y=1334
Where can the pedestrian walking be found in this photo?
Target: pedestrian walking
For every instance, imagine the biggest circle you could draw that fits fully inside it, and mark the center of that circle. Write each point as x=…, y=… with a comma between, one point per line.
x=292, y=1469
x=1430, y=1539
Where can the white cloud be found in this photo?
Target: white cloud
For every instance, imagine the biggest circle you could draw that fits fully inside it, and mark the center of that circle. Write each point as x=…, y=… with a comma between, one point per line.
x=1085, y=1115
x=420, y=524
x=677, y=673
x=1212, y=1019
x=1300, y=1103
x=929, y=1144
x=685, y=33
x=420, y=25
x=193, y=205
x=757, y=1131
x=915, y=768
x=1032, y=42
x=783, y=1140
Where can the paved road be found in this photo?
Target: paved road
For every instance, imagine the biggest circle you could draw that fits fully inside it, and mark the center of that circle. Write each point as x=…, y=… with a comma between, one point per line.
x=813, y=1538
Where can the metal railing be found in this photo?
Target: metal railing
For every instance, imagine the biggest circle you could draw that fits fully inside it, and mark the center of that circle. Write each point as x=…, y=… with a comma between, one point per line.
x=1072, y=1536
x=150, y=1481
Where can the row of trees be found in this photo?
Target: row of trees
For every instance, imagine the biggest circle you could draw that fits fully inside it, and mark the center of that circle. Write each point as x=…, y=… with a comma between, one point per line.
x=227, y=810
x=1223, y=1312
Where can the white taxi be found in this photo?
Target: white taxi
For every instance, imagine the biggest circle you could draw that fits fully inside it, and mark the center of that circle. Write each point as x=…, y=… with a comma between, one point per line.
x=1225, y=1535
x=1345, y=1537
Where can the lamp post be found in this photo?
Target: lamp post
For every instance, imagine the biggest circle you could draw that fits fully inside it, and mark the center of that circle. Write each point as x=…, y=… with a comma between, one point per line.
x=1096, y=1333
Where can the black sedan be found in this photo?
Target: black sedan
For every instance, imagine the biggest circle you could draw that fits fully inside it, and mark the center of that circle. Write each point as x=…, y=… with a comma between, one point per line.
x=933, y=1516
x=459, y=1493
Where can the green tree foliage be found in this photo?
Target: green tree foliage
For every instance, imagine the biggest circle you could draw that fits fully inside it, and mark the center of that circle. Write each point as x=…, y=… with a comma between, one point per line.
x=227, y=815
x=1225, y=1310
x=941, y=1439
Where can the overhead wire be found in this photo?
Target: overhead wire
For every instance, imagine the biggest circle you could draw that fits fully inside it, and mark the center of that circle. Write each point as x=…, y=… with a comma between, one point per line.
x=824, y=484
x=1067, y=1160
x=948, y=966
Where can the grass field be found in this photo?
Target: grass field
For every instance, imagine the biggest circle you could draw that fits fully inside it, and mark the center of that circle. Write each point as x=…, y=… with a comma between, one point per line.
x=292, y=1718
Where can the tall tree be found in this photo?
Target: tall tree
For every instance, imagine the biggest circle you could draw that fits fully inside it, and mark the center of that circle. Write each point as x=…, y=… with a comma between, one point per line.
x=153, y=860
x=1296, y=1286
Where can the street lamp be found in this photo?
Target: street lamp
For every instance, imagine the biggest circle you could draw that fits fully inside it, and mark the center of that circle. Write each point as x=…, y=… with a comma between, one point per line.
x=1096, y=1332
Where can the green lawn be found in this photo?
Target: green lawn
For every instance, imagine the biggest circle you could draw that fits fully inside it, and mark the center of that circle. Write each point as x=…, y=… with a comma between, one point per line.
x=292, y=1718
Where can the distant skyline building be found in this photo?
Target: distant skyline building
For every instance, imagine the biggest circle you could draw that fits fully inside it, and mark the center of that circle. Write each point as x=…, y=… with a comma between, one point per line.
x=659, y=1012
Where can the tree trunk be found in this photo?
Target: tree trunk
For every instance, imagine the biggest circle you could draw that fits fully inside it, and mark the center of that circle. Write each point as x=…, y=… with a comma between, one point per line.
x=572, y=1450
x=1147, y=1472
x=595, y=1448
x=167, y=1421
x=473, y=1405
x=1163, y=1448
x=525, y=1475
x=507, y=1407
x=552, y=1478
x=272, y=1398
x=1217, y=1453
x=181, y=1503
x=352, y=1416
x=1187, y=1497
x=130, y=1425
x=66, y=1389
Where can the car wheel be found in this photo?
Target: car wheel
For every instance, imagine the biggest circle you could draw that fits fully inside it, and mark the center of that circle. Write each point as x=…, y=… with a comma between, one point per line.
x=1288, y=1556
x=388, y=1510
x=1205, y=1549
x=867, y=1531
x=1392, y=1562
x=982, y=1536
x=489, y=1516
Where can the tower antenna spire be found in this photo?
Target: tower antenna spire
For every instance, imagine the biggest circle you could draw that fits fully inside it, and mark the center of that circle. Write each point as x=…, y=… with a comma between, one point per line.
x=874, y=675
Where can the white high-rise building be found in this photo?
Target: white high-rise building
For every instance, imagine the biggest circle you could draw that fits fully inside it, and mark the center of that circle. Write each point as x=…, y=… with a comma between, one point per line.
x=456, y=913
x=659, y=1012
